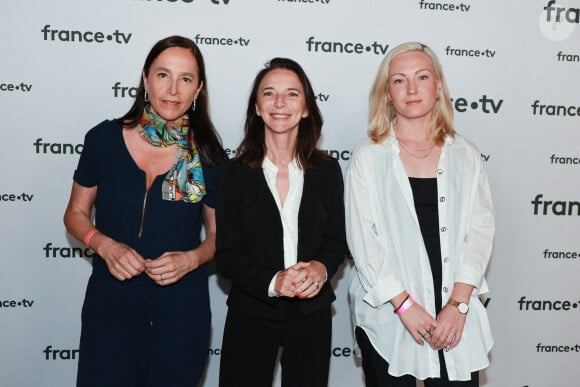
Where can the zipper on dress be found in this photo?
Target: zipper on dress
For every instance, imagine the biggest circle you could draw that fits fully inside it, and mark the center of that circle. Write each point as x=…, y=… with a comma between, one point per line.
x=143, y=213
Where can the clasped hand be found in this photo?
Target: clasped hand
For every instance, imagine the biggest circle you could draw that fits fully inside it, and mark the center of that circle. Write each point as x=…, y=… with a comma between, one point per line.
x=303, y=280
x=442, y=333
x=125, y=263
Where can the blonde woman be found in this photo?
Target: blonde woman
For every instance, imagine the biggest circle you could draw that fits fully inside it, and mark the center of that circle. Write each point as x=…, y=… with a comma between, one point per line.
x=420, y=227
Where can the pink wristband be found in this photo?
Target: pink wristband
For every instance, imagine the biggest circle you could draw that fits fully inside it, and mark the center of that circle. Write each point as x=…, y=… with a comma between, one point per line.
x=406, y=305
x=90, y=236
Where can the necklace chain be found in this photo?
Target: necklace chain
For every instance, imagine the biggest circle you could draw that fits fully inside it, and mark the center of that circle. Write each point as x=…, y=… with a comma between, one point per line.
x=424, y=152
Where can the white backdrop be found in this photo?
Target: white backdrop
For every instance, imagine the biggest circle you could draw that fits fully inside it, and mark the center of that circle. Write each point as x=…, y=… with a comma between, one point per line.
x=513, y=69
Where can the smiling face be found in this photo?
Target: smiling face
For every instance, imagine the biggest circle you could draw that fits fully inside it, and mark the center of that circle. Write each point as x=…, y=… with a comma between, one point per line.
x=281, y=102
x=412, y=85
x=172, y=83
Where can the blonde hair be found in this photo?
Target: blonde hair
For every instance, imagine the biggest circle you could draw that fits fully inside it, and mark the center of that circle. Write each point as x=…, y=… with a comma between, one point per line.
x=382, y=113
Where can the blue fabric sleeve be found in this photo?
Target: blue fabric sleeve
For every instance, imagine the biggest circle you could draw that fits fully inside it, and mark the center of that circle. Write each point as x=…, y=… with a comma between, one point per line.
x=86, y=173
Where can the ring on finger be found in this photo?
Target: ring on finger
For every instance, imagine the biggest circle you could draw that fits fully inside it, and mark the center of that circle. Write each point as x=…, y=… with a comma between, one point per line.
x=447, y=348
x=161, y=278
x=316, y=284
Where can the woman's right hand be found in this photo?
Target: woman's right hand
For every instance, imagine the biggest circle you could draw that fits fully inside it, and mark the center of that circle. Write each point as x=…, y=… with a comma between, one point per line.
x=419, y=323
x=123, y=262
x=286, y=280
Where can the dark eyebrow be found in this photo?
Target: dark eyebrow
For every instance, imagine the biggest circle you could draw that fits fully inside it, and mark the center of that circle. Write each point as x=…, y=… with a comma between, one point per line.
x=169, y=71
x=288, y=89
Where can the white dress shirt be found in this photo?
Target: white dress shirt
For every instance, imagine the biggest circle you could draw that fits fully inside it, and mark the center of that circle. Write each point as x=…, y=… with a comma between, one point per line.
x=288, y=211
x=385, y=240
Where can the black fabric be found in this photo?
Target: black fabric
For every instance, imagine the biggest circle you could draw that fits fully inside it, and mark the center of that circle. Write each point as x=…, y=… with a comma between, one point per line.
x=425, y=198
x=250, y=347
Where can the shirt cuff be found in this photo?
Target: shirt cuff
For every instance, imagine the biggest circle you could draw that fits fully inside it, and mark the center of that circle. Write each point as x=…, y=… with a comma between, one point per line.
x=383, y=291
x=271, y=288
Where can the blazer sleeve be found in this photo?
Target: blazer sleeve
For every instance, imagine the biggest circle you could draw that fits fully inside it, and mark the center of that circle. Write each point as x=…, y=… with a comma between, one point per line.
x=231, y=258
x=333, y=248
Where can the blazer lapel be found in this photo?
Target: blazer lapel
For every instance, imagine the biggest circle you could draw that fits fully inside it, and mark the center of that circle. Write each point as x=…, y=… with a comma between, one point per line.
x=266, y=204
x=308, y=212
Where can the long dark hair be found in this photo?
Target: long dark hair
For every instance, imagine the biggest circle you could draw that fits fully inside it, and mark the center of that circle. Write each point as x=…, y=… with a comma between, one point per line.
x=253, y=149
x=206, y=137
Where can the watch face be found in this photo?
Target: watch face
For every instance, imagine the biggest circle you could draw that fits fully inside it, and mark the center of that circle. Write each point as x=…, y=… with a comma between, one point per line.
x=463, y=308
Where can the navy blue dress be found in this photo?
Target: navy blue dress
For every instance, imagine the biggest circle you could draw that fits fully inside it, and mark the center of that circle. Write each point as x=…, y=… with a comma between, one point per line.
x=134, y=332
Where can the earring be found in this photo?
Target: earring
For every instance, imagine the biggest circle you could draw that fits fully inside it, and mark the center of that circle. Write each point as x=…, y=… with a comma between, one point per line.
x=193, y=105
x=146, y=96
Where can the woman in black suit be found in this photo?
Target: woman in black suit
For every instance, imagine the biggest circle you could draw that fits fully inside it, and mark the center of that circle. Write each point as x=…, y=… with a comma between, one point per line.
x=280, y=238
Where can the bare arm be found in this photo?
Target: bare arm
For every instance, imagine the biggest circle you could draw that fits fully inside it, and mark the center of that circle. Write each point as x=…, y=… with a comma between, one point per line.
x=123, y=262
x=206, y=250
x=77, y=217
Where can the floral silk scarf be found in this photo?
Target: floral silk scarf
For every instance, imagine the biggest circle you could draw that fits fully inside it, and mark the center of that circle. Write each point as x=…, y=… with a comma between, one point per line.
x=185, y=179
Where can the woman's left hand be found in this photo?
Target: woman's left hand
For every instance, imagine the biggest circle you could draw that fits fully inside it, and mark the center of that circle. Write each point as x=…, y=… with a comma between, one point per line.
x=309, y=285
x=449, y=329
x=170, y=267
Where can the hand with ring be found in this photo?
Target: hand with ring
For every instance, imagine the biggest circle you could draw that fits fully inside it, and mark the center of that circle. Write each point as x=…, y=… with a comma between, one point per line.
x=419, y=323
x=311, y=285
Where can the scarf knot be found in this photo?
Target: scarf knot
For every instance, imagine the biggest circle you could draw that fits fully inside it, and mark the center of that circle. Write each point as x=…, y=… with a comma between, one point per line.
x=185, y=180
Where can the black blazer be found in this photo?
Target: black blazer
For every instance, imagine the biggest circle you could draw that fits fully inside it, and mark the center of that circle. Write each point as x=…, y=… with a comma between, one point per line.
x=249, y=237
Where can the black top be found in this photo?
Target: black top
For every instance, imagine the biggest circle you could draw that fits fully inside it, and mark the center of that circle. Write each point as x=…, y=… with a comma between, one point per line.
x=425, y=198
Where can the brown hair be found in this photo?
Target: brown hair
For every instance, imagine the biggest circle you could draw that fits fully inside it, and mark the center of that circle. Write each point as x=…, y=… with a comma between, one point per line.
x=206, y=137
x=253, y=148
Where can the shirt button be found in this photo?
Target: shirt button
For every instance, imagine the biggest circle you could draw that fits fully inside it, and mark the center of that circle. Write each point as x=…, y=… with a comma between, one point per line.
x=444, y=289
x=442, y=199
x=439, y=171
x=443, y=229
x=446, y=259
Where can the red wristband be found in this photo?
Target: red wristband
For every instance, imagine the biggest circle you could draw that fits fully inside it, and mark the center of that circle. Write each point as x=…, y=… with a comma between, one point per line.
x=90, y=236
x=406, y=305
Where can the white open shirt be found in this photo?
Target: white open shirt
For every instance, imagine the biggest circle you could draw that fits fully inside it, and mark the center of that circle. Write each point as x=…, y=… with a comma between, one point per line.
x=385, y=240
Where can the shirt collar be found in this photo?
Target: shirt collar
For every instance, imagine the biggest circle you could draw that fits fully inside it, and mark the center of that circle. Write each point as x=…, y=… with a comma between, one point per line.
x=269, y=166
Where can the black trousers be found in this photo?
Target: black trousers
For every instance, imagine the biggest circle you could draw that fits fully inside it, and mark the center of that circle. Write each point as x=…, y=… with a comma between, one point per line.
x=250, y=348
x=376, y=369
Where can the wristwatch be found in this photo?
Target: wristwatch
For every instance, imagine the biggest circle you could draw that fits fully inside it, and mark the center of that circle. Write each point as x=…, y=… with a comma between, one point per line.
x=462, y=307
